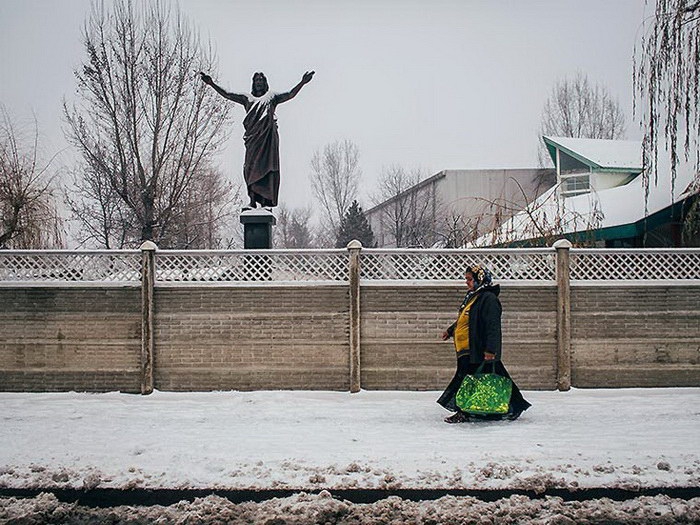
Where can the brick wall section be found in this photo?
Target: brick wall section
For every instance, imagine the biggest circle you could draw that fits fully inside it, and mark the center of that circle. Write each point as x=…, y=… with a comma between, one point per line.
x=296, y=337
x=59, y=339
x=401, y=328
x=642, y=336
x=267, y=337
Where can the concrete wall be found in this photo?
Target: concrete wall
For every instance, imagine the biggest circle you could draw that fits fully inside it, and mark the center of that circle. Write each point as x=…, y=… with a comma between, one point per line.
x=297, y=337
x=251, y=338
x=626, y=336
x=401, y=328
x=60, y=339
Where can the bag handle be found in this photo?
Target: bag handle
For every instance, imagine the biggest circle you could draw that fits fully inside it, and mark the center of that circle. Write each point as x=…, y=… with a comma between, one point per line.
x=483, y=363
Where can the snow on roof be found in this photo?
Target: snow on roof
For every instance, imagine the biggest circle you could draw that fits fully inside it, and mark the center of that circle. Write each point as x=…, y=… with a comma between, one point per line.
x=612, y=154
x=606, y=208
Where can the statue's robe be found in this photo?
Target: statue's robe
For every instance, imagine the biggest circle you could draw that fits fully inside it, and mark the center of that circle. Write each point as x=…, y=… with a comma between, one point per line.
x=261, y=169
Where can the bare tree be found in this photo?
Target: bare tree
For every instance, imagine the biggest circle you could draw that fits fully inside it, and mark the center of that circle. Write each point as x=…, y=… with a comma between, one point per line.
x=28, y=214
x=408, y=213
x=454, y=229
x=146, y=127
x=335, y=177
x=103, y=217
x=577, y=108
x=203, y=219
x=293, y=228
x=667, y=81
x=205, y=213
x=540, y=222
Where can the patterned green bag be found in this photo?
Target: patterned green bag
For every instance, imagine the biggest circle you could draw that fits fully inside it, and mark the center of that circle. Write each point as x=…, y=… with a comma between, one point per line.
x=486, y=393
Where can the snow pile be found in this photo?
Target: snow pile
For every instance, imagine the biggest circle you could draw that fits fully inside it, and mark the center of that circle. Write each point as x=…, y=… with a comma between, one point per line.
x=625, y=438
x=302, y=509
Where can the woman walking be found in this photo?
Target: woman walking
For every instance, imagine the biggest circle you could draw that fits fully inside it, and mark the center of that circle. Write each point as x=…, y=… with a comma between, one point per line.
x=477, y=338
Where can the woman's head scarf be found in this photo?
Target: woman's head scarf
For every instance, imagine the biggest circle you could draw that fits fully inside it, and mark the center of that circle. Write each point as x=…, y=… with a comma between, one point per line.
x=482, y=276
x=482, y=280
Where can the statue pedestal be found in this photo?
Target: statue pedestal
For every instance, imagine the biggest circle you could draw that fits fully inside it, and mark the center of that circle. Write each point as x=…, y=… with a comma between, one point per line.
x=257, y=228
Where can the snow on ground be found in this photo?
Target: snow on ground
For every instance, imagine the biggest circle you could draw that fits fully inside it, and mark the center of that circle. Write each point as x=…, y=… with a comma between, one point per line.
x=628, y=438
x=304, y=509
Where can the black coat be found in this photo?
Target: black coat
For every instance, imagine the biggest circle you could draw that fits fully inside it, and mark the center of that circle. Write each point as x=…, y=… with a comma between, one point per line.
x=484, y=325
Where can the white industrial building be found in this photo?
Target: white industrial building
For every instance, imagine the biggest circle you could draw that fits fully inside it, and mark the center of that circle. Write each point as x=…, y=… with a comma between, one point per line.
x=481, y=198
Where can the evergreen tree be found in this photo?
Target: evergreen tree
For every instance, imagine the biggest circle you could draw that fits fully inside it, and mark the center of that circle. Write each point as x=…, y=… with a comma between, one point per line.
x=354, y=225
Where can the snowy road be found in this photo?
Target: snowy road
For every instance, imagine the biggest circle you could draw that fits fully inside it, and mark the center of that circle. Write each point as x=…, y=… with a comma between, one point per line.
x=626, y=438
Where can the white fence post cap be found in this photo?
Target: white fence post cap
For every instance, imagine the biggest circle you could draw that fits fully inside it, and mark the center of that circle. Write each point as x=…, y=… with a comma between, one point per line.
x=148, y=246
x=562, y=244
x=354, y=245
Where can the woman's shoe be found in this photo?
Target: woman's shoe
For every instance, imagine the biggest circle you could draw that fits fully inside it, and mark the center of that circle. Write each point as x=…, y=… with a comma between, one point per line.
x=457, y=417
x=514, y=415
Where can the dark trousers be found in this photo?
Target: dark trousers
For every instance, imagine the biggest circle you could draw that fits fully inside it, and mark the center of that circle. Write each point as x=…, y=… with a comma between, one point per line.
x=464, y=367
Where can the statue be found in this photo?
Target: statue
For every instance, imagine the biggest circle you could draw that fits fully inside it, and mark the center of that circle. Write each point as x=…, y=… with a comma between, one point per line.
x=261, y=168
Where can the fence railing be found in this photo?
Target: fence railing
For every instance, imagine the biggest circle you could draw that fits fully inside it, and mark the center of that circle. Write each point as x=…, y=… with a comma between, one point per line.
x=332, y=266
x=635, y=264
x=524, y=264
x=252, y=266
x=64, y=266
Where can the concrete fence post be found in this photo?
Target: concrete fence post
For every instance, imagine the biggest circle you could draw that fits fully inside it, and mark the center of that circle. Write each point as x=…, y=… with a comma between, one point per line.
x=563, y=248
x=354, y=247
x=148, y=278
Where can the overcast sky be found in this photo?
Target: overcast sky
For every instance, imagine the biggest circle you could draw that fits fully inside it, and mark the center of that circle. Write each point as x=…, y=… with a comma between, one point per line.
x=432, y=84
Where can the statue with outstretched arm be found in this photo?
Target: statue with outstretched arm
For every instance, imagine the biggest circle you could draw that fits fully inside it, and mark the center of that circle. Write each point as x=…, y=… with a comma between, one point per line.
x=261, y=168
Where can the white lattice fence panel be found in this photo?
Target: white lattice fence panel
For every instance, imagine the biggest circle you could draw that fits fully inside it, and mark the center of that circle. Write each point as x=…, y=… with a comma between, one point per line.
x=631, y=265
x=431, y=265
x=70, y=266
x=251, y=266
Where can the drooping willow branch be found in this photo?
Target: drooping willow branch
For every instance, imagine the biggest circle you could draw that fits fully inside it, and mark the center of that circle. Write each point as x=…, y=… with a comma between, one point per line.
x=666, y=79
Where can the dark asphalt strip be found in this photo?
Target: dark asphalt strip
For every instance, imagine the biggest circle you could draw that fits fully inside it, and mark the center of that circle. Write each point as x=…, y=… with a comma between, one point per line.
x=145, y=497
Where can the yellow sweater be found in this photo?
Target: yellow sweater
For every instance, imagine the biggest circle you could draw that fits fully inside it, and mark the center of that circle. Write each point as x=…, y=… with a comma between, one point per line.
x=461, y=333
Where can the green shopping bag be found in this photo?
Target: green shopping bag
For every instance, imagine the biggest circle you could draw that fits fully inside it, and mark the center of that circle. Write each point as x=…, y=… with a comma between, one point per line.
x=484, y=393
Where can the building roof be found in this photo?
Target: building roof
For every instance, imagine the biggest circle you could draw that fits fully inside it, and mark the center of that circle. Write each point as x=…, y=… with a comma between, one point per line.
x=611, y=210
x=600, y=154
x=442, y=174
